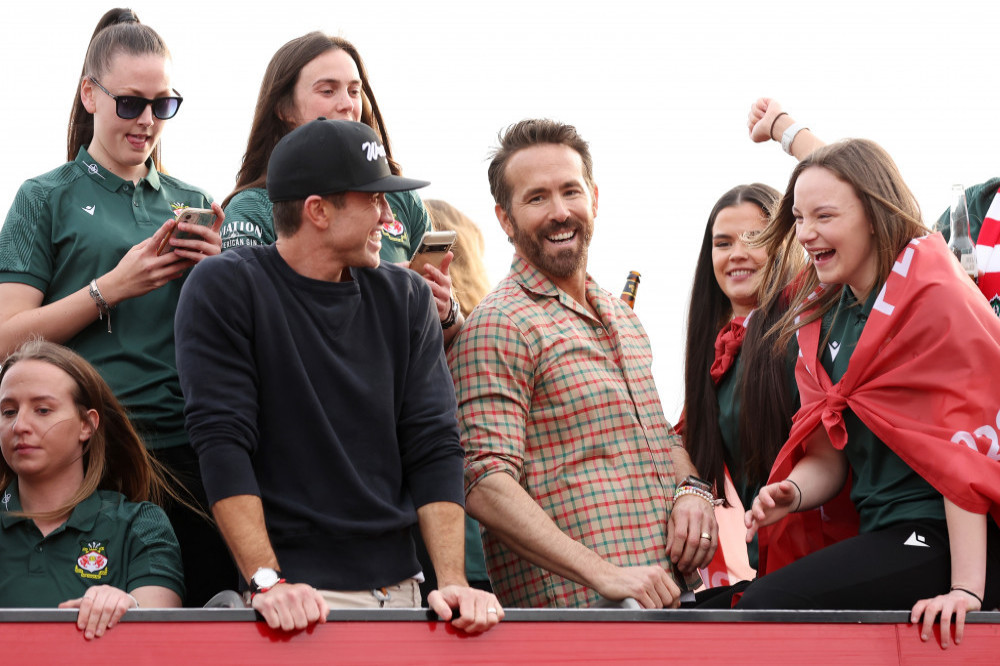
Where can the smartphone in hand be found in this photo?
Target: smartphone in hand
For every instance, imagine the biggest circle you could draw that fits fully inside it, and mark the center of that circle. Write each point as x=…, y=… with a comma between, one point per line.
x=204, y=217
x=433, y=246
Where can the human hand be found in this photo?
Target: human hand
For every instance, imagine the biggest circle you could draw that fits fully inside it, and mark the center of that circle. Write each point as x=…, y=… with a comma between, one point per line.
x=478, y=610
x=762, y=115
x=440, y=283
x=290, y=606
x=101, y=607
x=773, y=502
x=207, y=242
x=956, y=603
x=651, y=586
x=691, y=518
x=141, y=271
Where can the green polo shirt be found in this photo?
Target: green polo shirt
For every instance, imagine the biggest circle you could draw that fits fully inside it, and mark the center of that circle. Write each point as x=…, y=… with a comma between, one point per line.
x=249, y=222
x=74, y=224
x=107, y=540
x=885, y=489
x=978, y=198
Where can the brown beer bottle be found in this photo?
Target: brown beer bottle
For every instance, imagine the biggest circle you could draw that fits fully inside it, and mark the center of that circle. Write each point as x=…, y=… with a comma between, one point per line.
x=631, y=286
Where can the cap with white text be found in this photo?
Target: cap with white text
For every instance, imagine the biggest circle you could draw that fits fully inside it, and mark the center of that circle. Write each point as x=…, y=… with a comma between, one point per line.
x=328, y=157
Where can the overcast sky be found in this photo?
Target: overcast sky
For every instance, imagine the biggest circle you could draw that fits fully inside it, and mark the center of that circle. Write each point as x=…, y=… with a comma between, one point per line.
x=660, y=89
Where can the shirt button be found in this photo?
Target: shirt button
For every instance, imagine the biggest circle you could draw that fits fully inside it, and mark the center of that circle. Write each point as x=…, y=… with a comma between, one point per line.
x=135, y=203
x=38, y=549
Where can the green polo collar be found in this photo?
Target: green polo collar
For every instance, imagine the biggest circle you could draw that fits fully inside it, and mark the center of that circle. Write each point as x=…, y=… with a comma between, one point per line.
x=83, y=517
x=108, y=180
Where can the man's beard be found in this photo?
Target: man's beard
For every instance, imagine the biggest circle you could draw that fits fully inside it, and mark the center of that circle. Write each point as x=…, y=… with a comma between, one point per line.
x=560, y=263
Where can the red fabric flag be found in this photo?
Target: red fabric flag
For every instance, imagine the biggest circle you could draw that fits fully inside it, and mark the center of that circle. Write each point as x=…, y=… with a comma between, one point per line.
x=924, y=377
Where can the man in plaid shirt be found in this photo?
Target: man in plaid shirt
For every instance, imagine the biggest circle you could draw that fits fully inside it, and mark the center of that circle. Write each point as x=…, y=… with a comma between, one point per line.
x=571, y=466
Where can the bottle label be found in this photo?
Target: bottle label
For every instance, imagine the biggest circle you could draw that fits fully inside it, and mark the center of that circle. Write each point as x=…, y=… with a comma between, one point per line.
x=969, y=264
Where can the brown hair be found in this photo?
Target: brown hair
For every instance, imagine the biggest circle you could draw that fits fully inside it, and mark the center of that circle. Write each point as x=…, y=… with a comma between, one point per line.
x=525, y=134
x=889, y=206
x=288, y=214
x=468, y=270
x=114, y=458
x=118, y=31
x=275, y=103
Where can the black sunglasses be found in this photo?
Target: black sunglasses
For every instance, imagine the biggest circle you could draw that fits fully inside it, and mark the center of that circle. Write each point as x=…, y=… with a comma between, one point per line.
x=129, y=106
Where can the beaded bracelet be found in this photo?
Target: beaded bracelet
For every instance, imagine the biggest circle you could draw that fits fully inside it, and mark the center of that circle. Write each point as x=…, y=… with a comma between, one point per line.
x=691, y=490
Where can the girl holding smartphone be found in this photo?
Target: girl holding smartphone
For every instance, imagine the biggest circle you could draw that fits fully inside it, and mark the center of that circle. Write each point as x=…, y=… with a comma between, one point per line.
x=314, y=76
x=78, y=260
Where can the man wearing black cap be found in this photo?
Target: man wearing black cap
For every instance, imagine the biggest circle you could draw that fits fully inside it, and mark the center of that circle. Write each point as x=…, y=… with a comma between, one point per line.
x=319, y=400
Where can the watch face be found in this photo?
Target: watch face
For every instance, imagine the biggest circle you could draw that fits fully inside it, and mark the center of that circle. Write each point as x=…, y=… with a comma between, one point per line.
x=697, y=483
x=265, y=578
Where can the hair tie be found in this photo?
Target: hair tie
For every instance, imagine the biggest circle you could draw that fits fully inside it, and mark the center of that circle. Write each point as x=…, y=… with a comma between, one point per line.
x=127, y=16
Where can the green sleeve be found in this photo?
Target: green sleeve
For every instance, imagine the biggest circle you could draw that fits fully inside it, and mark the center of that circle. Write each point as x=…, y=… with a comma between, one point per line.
x=248, y=220
x=154, y=554
x=26, y=255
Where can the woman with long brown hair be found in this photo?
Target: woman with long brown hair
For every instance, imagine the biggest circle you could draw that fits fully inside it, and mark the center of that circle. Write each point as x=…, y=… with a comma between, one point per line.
x=77, y=483
x=318, y=75
x=898, y=373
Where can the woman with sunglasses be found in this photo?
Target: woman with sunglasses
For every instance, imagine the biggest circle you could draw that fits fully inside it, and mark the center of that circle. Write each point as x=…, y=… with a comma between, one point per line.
x=312, y=76
x=79, y=262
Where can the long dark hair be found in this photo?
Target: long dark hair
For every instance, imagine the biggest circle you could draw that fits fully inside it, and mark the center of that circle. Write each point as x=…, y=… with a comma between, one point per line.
x=275, y=103
x=708, y=312
x=114, y=457
x=118, y=31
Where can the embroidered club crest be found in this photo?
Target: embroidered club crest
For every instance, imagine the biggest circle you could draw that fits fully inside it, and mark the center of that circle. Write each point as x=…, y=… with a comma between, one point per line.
x=995, y=303
x=177, y=206
x=93, y=563
x=394, y=230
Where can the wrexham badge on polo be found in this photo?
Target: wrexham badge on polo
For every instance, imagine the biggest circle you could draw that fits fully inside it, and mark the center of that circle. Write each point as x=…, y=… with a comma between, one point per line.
x=93, y=563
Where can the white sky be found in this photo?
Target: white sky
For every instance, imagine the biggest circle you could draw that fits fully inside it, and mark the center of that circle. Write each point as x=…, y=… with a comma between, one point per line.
x=660, y=90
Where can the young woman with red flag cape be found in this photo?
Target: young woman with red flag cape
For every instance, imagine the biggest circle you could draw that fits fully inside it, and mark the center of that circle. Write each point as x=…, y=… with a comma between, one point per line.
x=899, y=380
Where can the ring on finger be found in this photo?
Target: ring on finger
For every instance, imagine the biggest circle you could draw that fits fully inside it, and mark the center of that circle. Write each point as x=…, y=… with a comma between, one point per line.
x=706, y=535
x=492, y=611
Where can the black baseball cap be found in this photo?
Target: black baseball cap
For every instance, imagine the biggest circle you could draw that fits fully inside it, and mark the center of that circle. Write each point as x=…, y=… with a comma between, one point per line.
x=328, y=157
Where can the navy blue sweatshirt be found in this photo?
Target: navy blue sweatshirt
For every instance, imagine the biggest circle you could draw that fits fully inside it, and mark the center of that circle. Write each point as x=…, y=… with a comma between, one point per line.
x=331, y=401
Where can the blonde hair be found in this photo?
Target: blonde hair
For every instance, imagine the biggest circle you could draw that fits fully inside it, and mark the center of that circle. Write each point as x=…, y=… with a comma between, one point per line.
x=468, y=271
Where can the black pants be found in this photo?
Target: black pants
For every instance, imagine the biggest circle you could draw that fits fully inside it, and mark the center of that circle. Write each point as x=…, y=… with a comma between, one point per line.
x=890, y=569
x=208, y=567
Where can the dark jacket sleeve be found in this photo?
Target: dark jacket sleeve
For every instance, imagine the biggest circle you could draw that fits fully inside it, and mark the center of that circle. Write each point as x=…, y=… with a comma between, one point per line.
x=213, y=329
x=428, y=427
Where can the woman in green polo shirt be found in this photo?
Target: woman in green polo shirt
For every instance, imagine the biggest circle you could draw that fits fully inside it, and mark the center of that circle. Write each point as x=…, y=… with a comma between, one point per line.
x=76, y=529
x=318, y=75
x=79, y=262
x=899, y=379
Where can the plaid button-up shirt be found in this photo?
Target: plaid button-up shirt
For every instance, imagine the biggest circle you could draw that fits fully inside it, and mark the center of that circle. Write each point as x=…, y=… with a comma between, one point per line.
x=565, y=404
